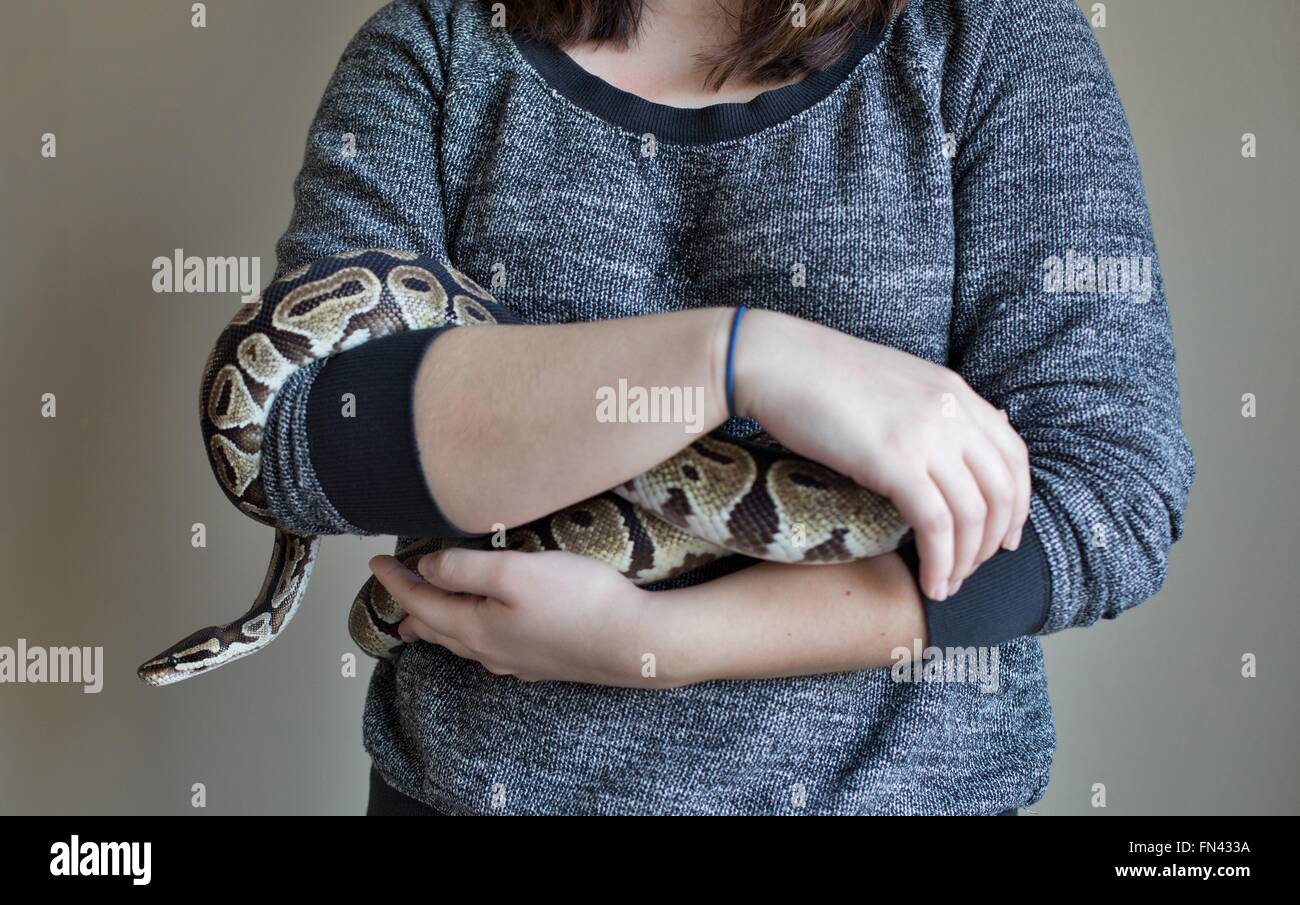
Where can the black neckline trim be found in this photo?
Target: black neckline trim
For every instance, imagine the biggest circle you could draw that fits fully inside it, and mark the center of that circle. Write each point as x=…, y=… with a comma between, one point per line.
x=685, y=125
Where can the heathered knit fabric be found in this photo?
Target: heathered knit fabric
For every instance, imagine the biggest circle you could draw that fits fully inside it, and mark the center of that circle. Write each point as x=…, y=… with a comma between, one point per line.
x=923, y=201
x=292, y=488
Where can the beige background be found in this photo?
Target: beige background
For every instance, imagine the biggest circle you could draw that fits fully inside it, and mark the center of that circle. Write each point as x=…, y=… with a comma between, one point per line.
x=174, y=137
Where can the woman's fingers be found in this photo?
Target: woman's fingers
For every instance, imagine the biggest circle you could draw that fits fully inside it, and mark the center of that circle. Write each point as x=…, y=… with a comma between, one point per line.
x=922, y=504
x=485, y=573
x=1015, y=454
x=412, y=627
x=961, y=492
x=446, y=618
x=396, y=578
x=998, y=489
x=443, y=612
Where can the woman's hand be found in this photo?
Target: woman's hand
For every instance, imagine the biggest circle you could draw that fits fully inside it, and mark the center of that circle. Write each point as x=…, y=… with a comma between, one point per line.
x=561, y=617
x=536, y=616
x=910, y=430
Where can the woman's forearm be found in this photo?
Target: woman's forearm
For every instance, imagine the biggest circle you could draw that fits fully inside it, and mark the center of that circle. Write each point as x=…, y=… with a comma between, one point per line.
x=782, y=620
x=506, y=418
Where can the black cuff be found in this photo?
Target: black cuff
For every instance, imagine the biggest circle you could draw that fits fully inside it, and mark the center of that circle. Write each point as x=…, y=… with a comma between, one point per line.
x=1006, y=598
x=364, y=448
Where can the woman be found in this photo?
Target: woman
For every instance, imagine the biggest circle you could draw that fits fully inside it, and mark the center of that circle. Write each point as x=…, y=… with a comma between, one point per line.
x=921, y=204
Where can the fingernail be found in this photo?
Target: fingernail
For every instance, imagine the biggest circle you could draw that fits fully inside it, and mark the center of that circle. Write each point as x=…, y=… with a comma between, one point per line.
x=956, y=587
x=1014, y=541
x=940, y=592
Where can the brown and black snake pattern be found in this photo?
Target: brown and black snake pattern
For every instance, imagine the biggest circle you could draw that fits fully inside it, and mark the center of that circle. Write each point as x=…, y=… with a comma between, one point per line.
x=717, y=497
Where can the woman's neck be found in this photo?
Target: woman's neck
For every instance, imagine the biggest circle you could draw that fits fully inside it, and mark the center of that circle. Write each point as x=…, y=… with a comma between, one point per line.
x=661, y=63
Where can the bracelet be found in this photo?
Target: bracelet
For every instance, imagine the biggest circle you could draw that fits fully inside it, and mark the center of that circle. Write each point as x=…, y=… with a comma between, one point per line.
x=731, y=361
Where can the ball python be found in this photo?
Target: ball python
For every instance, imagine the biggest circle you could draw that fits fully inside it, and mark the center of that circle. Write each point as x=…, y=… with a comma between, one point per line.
x=718, y=497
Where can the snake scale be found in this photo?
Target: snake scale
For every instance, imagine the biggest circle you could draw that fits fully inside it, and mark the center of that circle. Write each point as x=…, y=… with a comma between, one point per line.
x=718, y=497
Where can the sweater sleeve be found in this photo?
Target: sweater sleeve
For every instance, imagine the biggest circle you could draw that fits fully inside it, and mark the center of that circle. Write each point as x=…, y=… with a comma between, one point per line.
x=1059, y=317
x=370, y=174
x=369, y=179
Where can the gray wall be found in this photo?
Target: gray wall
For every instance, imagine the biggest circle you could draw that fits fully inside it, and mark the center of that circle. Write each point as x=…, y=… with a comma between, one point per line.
x=174, y=137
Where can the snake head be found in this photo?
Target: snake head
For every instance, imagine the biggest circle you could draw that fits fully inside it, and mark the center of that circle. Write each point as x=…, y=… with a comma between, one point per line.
x=190, y=656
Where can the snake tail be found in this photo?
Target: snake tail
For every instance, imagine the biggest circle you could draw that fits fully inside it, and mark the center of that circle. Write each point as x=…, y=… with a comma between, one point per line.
x=277, y=602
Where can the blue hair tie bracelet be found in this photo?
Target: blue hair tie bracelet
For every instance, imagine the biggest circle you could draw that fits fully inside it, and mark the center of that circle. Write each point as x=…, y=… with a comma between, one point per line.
x=731, y=361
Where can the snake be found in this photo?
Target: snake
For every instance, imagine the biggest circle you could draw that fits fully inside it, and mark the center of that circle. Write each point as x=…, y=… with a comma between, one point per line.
x=720, y=496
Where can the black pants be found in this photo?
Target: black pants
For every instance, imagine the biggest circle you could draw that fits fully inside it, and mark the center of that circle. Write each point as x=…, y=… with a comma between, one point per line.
x=385, y=801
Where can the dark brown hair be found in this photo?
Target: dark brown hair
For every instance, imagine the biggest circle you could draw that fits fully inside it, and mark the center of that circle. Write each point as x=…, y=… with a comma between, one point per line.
x=768, y=45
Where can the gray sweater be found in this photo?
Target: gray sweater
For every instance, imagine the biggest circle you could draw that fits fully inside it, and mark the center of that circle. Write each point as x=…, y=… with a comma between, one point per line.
x=961, y=185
